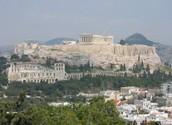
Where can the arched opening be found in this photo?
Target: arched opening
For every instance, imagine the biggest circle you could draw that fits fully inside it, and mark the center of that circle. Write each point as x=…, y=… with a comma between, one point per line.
x=24, y=81
x=41, y=81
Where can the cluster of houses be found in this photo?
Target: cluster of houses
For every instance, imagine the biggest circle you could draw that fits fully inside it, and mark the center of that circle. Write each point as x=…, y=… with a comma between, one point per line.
x=138, y=105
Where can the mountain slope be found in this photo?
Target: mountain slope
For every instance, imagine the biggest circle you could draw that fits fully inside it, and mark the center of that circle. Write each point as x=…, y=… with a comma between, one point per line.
x=164, y=51
x=57, y=41
x=6, y=49
x=138, y=38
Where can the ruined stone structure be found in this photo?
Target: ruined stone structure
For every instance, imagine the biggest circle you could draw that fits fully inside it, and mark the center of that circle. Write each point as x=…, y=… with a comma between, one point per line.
x=28, y=72
x=26, y=48
x=95, y=39
x=31, y=72
x=98, y=50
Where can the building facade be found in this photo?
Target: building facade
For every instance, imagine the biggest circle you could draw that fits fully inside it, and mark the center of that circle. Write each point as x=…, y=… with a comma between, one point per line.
x=28, y=72
x=145, y=104
x=128, y=90
x=166, y=89
x=31, y=72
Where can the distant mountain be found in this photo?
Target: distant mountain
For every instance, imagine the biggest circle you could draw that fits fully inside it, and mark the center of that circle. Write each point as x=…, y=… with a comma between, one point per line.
x=5, y=49
x=32, y=41
x=164, y=51
x=138, y=38
x=57, y=41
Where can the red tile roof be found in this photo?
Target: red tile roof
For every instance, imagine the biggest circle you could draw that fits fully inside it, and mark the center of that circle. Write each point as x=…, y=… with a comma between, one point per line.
x=118, y=102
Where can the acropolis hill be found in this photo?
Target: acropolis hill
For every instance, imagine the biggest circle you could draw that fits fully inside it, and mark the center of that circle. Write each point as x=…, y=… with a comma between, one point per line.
x=98, y=50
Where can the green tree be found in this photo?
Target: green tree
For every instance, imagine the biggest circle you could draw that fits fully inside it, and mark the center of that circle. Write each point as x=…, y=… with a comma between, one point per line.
x=142, y=64
x=15, y=57
x=8, y=118
x=122, y=67
x=147, y=68
x=122, y=42
x=169, y=74
x=3, y=79
x=3, y=60
x=97, y=112
x=139, y=57
x=25, y=58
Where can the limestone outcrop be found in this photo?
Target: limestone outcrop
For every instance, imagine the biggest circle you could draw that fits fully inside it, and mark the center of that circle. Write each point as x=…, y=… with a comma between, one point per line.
x=97, y=54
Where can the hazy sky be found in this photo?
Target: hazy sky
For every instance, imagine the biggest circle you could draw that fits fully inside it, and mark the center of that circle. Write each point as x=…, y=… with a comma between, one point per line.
x=47, y=19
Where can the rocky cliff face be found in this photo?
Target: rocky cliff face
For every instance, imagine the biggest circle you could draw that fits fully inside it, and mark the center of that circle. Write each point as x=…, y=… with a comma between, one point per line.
x=164, y=51
x=97, y=55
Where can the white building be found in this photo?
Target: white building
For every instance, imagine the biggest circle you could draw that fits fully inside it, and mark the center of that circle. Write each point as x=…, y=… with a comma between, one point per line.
x=110, y=94
x=59, y=104
x=69, y=42
x=166, y=89
x=145, y=104
x=128, y=90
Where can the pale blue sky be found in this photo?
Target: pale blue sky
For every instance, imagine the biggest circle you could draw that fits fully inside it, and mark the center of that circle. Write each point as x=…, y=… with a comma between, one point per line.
x=47, y=19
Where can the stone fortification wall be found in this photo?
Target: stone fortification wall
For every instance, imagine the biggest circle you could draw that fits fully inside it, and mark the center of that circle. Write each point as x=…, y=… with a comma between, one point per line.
x=106, y=49
x=30, y=72
x=91, y=49
x=124, y=50
x=134, y=50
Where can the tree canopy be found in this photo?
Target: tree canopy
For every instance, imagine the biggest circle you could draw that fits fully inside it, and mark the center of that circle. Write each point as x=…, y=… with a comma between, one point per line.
x=122, y=42
x=97, y=111
x=15, y=57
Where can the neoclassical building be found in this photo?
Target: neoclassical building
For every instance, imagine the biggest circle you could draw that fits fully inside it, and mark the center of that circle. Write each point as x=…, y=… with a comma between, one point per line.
x=30, y=72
